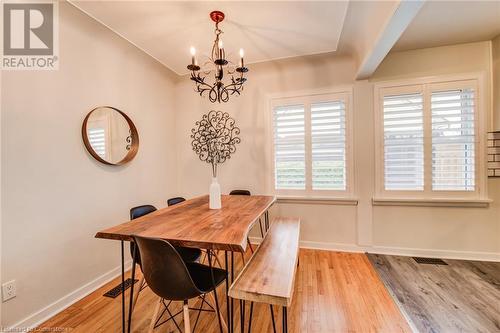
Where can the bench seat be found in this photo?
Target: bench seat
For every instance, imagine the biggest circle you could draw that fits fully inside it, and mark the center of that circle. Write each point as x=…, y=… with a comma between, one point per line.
x=269, y=275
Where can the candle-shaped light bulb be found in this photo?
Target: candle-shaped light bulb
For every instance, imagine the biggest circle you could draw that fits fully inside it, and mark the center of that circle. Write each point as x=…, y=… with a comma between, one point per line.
x=242, y=53
x=193, y=53
x=220, y=44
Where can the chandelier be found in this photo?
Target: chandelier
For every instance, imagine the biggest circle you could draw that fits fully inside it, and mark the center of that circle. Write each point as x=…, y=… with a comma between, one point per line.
x=228, y=78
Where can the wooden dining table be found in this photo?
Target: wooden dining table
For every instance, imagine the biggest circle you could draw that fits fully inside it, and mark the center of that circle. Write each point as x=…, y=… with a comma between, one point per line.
x=193, y=224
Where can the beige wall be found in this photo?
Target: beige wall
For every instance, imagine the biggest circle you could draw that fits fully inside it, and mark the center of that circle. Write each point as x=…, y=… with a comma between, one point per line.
x=496, y=82
x=455, y=229
x=442, y=230
x=55, y=195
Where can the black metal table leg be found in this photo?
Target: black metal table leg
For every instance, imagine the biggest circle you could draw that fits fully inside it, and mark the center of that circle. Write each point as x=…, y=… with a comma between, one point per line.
x=285, y=320
x=227, y=294
x=123, y=287
x=272, y=318
x=232, y=300
x=242, y=316
x=215, y=290
x=131, y=298
x=250, y=318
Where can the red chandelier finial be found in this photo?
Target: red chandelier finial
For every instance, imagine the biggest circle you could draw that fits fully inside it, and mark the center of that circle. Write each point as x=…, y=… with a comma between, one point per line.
x=217, y=16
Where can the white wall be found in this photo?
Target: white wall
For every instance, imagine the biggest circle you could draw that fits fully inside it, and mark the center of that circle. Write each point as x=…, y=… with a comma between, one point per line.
x=467, y=232
x=56, y=197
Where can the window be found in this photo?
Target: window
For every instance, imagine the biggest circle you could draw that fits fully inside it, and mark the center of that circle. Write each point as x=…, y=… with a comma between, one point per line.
x=427, y=140
x=289, y=147
x=311, y=145
x=453, y=140
x=404, y=142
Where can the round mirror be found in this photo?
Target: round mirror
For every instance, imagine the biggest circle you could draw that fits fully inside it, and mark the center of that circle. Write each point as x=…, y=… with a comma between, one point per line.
x=110, y=136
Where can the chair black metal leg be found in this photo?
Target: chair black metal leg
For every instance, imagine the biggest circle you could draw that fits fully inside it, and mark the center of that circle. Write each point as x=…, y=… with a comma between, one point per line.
x=227, y=293
x=215, y=290
x=272, y=318
x=131, y=298
x=250, y=318
x=285, y=320
x=123, y=287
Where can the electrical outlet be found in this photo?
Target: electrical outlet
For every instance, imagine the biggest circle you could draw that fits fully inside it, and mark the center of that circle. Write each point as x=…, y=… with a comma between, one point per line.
x=8, y=290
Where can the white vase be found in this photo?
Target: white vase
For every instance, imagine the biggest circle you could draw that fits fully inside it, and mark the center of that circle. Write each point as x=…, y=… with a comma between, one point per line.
x=215, y=198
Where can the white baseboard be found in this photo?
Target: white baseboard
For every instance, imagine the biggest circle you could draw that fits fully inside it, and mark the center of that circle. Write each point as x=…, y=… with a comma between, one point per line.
x=400, y=251
x=64, y=302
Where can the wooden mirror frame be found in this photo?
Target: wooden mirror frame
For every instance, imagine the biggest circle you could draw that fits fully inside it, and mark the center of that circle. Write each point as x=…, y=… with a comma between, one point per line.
x=134, y=147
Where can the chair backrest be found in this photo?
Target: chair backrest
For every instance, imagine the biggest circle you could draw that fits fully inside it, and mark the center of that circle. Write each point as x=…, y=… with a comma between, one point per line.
x=175, y=201
x=239, y=192
x=139, y=211
x=135, y=213
x=164, y=270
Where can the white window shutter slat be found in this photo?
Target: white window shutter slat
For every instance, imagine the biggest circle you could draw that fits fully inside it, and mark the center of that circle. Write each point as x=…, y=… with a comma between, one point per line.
x=289, y=147
x=403, y=142
x=328, y=141
x=453, y=140
x=97, y=139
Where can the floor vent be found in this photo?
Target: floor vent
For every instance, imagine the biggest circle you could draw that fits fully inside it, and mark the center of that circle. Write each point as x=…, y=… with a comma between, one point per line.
x=430, y=261
x=113, y=293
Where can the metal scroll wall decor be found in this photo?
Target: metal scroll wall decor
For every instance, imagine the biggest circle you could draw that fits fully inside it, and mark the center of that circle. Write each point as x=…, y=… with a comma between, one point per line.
x=218, y=91
x=214, y=138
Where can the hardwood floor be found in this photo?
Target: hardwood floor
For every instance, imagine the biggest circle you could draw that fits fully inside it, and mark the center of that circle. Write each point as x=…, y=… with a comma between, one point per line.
x=334, y=292
x=463, y=296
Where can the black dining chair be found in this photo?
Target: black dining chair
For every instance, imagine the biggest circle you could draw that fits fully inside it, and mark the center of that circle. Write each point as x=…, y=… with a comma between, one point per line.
x=187, y=254
x=175, y=201
x=174, y=279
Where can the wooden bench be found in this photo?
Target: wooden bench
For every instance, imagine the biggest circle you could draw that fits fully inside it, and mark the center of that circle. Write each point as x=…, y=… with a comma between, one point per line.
x=270, y=274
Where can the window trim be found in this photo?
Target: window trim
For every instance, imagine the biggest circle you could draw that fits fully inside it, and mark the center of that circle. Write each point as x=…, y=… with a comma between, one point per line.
x=427, y=85
x=307, y=98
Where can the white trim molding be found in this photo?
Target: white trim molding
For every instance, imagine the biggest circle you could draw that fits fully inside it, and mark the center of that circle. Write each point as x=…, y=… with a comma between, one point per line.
x=42, y=315
x=437, y=202
x=317, y=200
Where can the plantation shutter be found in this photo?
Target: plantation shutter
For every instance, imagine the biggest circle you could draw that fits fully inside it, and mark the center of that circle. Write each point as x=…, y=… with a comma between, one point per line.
x=289, y=147
x=403, y=142
x=453, y=140
x=97, y=139
x=328, y=150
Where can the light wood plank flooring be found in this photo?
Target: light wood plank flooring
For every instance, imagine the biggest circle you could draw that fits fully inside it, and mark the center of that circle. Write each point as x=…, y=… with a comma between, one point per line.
x=334, y=292
x=461, y=297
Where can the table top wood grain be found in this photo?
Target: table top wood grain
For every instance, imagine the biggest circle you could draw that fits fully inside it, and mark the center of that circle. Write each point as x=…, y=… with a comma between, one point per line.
x=192, y=224
x=270, y=274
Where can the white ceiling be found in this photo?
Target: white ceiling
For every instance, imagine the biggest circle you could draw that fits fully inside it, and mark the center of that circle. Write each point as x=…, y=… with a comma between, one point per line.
x=270, y=30
x=266, y=30
x=451, y=22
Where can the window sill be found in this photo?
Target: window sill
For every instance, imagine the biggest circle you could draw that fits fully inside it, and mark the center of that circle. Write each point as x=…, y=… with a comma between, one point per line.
x=438, y=202
x=318, y=200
